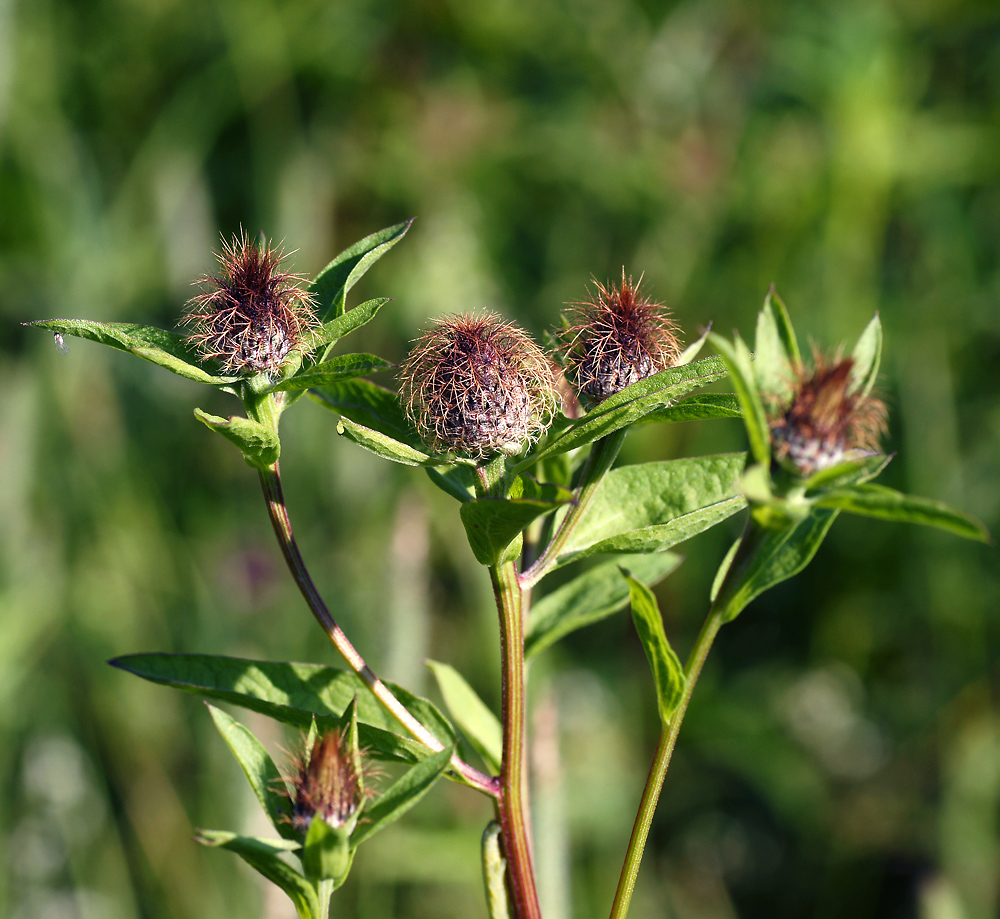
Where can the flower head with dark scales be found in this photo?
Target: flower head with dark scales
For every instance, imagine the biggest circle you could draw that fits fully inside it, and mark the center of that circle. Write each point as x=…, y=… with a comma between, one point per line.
x=252, y=314
x=327, y=784
x=617, y=338
x=825, y=419
x=477, y=386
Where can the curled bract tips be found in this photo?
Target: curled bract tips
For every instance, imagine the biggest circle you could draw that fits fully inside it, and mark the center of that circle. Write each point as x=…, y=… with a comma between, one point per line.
x=616, y=338
x=477, y=386
x=250, y=315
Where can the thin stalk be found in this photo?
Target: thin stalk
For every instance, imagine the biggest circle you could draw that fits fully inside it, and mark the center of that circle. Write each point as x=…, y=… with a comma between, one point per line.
x=511, y=805
x=270, y=481
x=602, y=457
x=658, y=770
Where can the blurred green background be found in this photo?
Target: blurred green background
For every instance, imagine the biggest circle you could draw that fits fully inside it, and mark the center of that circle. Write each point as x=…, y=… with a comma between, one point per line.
x=842, y=755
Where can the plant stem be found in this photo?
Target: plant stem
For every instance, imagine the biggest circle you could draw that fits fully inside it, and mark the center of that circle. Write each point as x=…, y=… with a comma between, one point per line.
x=658, y=770
x=270, y=480
x=511, y=804
x=602, y=456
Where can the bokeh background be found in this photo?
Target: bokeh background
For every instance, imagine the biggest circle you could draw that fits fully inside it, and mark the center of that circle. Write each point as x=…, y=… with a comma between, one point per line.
x=842, y=755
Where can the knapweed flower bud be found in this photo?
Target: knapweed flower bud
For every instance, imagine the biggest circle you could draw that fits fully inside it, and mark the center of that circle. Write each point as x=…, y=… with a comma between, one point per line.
x=824, y=420
x=477, y=386
x=251, y=314
x=327, y=785
x=617, y=338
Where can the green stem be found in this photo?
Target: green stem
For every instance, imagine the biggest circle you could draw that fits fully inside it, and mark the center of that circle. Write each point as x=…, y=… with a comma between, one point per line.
x=658, y=770
x=270, y=481
x=325, y=893
x=602, y=457
x=511, y=805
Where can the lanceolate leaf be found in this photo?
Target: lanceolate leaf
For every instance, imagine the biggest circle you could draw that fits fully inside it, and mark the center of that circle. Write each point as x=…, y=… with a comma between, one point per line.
x=158, y=346
x=850, y=472
x=738, y=360
x=878, y=501
x=494, y=525
x=261, y=773
x=631, y=405
x=661, y=536
x=776, y=307
x=866, y=355
x=668, y=672
x=328, y=334
x=385, y=446
x=772, y=364
x=342, y=367
x=697, y=408
x=262, y=855
x=766, y=557
x=590, y=597
x=259, y=446
x=333, y=283
x=632, y=498
x=470, y=713
x=293, y=693
x=402, y=795
x=368, y=404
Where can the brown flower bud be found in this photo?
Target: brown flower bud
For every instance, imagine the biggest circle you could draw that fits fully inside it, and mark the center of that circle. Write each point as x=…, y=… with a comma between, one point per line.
x=825, y=420
x=617, y=338
x=327, y=784
x=251, y=314
x=478, y=386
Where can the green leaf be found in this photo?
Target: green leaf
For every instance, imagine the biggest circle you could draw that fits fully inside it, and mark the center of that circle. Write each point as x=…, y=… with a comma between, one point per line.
x=262, y=855
x=402, y=795
x=738, y=360
x=494, y=872
x=342, y=367
x=887, y=504
x=260, y=447
x=631, y=499
x=331, y=332
x=866, y=356
x=471, y=714
x=494, y=525
x=850, y=472
x=668, y=673
x=292, y=693
x=776, y=307
x=385, y=446
x=698, y=408
x=261, y=773
x=333, y=283
x=629, y=406
x=694, y=349
x=772, y=362
x=766, y=557
x=590, y=597
x=368, y=404
x=457, y=481
x=166, y=349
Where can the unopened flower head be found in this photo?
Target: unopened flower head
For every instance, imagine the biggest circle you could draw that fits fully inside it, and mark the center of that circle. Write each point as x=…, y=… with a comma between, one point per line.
x=825, y=420
x=252, y=314
x=617, y=338
x=477, y=386
x=328, y=784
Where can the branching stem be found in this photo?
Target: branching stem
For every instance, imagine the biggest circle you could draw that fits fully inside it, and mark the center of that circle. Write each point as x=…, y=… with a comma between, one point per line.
x=270, y=480
x=602, y=456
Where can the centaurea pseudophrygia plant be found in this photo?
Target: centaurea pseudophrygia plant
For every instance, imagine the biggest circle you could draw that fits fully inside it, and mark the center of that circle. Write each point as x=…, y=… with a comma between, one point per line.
x=537, y=490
